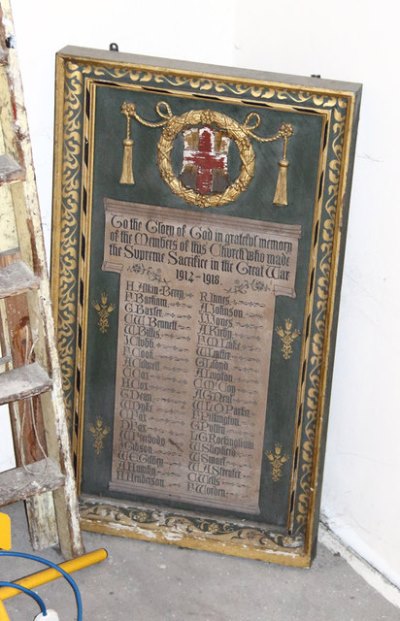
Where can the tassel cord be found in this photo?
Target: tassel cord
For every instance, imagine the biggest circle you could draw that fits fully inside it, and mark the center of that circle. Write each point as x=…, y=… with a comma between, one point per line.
x=285, y=146
x=252, y=121
x=162, y=108
x=264, y=139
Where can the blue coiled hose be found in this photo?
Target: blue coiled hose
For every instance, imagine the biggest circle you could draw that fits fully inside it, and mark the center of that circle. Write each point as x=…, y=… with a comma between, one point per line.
x=29, y=592
x=66, y=575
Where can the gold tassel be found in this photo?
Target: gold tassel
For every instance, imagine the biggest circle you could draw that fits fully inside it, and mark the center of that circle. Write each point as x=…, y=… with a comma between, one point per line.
x=280, y=198
x=127, y=160
x=127, y=163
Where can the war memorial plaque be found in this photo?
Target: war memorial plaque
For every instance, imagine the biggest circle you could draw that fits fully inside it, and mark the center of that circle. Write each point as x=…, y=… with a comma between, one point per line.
x=198, y=237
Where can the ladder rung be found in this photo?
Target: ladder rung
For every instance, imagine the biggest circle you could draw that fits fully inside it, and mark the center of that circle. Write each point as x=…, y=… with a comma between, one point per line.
x=10, y=170
x=23, y=382
x=25, y=481
x=17, y=278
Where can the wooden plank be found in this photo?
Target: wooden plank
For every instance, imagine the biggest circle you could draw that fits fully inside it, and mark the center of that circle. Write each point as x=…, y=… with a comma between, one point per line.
x=10, y=170
x=3, y=41
x=26, y=481
x=17, y=278
x=23, y=383
x=28, y=427
x=5, y=359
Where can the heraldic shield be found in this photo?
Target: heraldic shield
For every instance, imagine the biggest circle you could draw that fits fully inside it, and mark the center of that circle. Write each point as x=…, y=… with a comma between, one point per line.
x=205, y=160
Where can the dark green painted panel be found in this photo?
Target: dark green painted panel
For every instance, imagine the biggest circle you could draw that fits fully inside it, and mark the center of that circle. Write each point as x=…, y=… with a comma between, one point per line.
x=255, y=203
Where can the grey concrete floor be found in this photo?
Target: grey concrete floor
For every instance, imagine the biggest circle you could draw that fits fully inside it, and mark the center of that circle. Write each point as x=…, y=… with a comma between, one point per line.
x=149, y=582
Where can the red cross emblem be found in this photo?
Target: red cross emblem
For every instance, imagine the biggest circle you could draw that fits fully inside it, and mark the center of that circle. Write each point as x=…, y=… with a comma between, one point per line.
x=205, y=160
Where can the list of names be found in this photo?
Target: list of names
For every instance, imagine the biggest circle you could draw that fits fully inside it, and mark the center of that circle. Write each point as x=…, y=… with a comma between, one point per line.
x=196, y=312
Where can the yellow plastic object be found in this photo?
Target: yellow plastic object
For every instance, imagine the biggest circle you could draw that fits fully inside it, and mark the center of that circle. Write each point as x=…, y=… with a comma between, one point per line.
x=48, y=575
x=5, y=532
x=3, y=613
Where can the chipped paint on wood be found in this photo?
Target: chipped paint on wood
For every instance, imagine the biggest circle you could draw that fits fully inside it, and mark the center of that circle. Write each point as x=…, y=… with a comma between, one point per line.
x=180, y=527
x=20, y=483
x=51, y=516
x=23, y=383
x=8, y=227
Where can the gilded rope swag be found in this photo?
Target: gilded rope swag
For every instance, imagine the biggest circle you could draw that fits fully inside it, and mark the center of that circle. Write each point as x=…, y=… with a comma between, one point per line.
x=204, y=180
x=197, y=344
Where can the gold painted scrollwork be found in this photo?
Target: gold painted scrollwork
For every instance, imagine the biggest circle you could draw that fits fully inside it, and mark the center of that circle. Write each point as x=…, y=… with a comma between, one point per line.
x=161, y=525
x=68, y=227
x=318, y=343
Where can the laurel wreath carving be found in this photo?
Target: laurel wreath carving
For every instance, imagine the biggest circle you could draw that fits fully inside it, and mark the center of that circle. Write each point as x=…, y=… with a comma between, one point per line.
x=173, y=125
x=234, y=130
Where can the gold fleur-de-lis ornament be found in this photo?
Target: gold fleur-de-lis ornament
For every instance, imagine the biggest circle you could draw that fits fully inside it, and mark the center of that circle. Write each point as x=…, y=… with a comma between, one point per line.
x=277, y=459
x=99, y=432
x=104, y=310
x=287, y=336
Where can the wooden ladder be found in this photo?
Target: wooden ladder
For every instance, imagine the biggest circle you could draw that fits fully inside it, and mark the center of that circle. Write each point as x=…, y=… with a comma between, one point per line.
x=30, y=379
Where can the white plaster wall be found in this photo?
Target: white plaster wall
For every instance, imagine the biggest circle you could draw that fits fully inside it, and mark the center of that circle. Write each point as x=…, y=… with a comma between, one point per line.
x=355, y=41
x=343, y=39
x=154, y=28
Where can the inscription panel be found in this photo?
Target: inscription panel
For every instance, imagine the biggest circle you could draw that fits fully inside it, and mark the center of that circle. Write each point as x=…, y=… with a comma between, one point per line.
x=196, y=313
